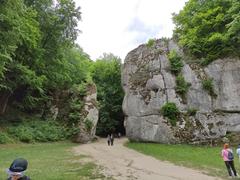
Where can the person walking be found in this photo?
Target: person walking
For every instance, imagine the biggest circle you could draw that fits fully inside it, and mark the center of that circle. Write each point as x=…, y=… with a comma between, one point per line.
x=112, y=139
x=227, y=155
x=238, y=152
x=17, y=170
x=109, y=139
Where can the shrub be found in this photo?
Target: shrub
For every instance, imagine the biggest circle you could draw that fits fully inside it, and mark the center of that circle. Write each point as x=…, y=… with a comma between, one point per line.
x=41, y=131
x=181, y=85
x=191, y=111
x=170, y=111
x=150, y=42
x=4, y=138
x=208, y=86
x=88, y=125
x=22, y=133
x=176, y=63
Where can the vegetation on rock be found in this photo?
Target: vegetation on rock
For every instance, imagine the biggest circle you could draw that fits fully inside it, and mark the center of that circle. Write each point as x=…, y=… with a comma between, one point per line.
x=171, y=111
x=191, y=111
x=176, y=63
x=150, y=43
x=207, y=84
x=181, y=85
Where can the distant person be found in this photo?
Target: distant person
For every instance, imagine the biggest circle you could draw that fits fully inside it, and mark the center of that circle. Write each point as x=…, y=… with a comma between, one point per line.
x=109, y=139
x=227, y=155
x=238, y=152
x=119, y=135
x=112, y=139
x=17, y=170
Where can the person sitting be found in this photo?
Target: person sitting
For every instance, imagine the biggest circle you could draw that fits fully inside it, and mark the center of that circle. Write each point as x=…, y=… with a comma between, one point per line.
x=17, y=170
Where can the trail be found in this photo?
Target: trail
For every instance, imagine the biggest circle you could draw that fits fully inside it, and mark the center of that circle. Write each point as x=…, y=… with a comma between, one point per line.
x=122, y=163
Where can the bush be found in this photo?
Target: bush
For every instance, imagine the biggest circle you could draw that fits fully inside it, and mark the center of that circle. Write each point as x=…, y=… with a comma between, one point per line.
x=88, y=125
x=4, y=138
x=176, y=63
x=41, y=131
x=150, y=42
x=181, y=85
x=170, y=111
x=208, y=86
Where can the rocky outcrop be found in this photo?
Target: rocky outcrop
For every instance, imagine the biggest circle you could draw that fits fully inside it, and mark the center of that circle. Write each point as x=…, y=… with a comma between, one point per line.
x=90, y=111
x=149, y=84
x=78, y=110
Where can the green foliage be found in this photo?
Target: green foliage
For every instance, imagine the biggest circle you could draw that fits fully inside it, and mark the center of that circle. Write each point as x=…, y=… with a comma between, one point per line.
x=209, y=29
x=176, y=63
x=106, y=73
x=4, y=138
x=171, y=111
x=150, y=43
x=37, y=51
x=88, y=124
x=207, y=84
x=191, y=111
x=40, y=131
x=181, y=85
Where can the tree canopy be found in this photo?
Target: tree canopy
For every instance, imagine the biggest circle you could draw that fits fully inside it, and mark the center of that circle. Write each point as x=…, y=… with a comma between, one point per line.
x=106, y=73
x=208, y=30
x=34, y=37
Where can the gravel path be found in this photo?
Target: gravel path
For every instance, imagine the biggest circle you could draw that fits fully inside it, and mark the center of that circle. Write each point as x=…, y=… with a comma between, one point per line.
x=122, y=163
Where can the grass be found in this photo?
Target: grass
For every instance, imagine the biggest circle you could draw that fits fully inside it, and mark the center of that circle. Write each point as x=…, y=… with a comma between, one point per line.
x=206, y=159
x=50, y=161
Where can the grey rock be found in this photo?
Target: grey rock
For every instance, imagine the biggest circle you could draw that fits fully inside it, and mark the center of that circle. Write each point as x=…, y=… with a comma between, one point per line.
x=149, y=84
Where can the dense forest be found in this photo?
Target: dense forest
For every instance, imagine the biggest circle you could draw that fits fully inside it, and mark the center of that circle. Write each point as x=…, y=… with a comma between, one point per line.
x=39, y=60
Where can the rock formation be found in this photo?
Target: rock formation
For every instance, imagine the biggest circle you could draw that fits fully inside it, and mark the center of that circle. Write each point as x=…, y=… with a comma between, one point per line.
x=149, y=84
x=90, y=112
x=78, y=110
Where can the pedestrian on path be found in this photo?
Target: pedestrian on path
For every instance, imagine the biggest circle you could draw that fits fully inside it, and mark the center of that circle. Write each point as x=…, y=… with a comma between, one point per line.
x=112, y=139
x=227, y=155
x=109, y=139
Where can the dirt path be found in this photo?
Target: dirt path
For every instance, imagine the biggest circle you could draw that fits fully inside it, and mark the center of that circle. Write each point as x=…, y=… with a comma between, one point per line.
x=122, y=163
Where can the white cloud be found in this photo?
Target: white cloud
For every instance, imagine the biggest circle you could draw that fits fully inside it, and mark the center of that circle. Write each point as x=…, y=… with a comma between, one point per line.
x=118, y=26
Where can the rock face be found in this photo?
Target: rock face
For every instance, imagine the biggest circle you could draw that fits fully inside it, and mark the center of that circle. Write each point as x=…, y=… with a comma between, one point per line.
x=149, y=84
x=83, y=115
x=88, y=125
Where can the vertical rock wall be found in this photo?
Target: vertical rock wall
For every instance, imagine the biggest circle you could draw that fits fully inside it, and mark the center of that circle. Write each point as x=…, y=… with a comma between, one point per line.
x=149, y=84
x=90, y=111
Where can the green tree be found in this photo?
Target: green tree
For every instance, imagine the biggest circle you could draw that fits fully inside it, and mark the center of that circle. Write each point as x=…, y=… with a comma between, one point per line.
x=106, y=73
x=19, y=35
x=36, y=36
x=208, y=29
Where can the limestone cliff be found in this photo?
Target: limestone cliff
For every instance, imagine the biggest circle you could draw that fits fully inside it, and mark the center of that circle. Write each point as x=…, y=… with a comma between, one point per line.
x=90, y=111
x=77, y=110
x=149, y=84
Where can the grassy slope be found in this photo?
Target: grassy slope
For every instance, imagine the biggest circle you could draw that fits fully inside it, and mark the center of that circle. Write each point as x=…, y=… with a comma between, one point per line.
x=206, y=159
x=50, y=161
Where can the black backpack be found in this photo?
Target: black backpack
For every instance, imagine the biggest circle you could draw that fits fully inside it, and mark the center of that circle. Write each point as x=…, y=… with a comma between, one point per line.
x=230, y=156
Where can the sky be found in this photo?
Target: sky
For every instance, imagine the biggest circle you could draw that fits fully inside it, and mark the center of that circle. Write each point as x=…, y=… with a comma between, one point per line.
x=119, y=26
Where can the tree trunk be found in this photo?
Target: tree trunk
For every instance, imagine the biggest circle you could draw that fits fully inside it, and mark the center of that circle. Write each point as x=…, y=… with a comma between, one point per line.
x=4, y=97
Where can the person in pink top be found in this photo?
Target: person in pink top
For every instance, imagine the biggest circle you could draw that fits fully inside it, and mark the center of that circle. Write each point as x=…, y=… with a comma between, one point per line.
x=227, y=155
